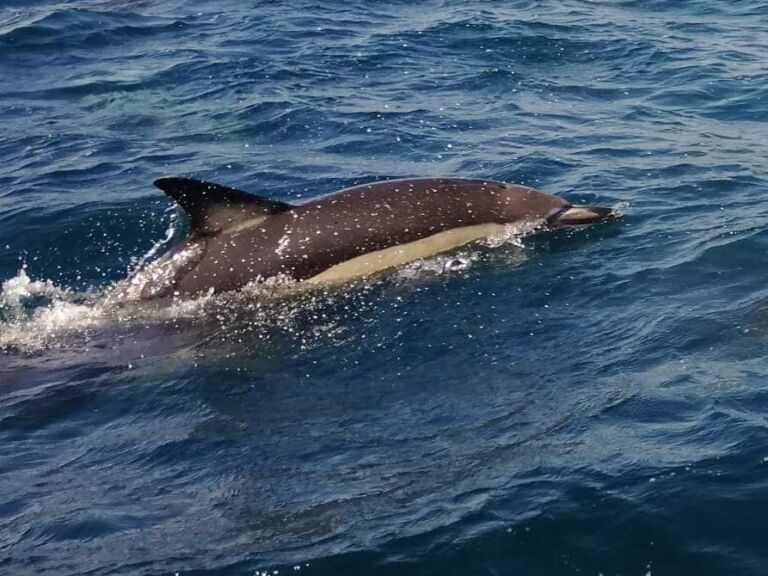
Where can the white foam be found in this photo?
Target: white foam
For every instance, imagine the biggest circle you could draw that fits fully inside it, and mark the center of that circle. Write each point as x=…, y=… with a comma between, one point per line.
x=21, y=288
x=38, y=314
x=34, y=311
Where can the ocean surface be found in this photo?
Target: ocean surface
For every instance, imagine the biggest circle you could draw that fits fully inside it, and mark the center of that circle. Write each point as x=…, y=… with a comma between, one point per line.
x=586, y=402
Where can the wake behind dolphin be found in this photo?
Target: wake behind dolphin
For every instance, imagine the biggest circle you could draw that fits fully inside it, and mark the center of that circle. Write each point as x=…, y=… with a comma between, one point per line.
x=236, y=238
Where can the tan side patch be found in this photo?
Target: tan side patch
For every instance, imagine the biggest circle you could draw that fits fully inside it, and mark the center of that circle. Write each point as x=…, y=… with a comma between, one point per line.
x=367, y=264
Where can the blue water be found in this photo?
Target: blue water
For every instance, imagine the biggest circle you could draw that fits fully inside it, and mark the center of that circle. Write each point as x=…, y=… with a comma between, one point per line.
x=590, y=402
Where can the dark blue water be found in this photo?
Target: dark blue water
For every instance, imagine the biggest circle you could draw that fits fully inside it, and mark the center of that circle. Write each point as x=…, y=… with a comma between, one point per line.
x=592, y=403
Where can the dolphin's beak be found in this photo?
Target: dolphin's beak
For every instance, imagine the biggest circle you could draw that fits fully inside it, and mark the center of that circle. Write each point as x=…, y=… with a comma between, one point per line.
x=580, y=215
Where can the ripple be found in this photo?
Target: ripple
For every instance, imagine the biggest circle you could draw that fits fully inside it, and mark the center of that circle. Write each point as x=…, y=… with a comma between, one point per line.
x=62, y=29
x=587, y=401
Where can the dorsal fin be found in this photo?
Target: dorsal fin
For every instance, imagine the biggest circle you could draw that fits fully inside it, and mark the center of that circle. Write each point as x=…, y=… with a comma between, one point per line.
x=212, y=208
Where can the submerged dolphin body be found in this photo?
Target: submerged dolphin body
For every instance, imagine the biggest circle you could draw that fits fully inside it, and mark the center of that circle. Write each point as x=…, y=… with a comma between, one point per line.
x=236, y=237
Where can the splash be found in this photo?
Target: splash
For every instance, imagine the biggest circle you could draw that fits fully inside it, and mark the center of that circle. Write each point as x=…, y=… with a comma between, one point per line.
x=38, y=314
x=157, y=278
x=620, y=208
x=22, y=288
x=31, y=311
x=170, y=234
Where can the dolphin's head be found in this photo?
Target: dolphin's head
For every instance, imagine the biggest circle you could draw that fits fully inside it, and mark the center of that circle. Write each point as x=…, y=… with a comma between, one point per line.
x=524, y=203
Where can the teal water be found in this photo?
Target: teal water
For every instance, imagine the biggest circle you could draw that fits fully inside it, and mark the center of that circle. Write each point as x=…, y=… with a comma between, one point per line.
x=589, y=402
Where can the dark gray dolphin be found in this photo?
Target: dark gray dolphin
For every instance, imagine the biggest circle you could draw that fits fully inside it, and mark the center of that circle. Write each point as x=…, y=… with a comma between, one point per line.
x=236, y=238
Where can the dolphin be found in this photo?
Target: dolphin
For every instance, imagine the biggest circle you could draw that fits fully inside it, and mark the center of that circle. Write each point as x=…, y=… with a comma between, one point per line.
x=236, y=238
